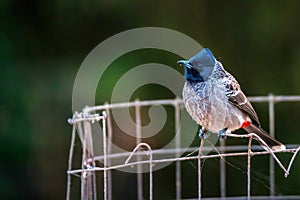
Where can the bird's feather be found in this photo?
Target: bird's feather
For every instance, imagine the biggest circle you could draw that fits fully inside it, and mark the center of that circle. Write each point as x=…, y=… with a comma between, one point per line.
x=239, y=100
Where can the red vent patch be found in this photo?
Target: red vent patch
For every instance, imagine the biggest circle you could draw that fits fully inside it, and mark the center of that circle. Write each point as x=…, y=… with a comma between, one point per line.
x=245, y=124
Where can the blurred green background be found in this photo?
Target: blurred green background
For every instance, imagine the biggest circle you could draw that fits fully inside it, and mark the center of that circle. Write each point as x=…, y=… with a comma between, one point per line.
x=42, y=44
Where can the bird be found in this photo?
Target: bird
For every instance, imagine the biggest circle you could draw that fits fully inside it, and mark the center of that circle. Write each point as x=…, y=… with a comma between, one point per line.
x=214, y=99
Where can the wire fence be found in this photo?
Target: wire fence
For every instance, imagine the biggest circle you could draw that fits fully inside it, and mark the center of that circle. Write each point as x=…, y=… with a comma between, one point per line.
x=82, y=122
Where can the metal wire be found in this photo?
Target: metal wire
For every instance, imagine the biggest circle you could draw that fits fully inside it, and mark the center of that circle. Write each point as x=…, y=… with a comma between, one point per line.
x=177, y=147
x=138, y=141
x=89, y=168
x=272, y=133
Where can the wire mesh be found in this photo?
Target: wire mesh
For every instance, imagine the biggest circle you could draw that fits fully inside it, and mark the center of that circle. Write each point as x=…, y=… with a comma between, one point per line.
x=82, y=122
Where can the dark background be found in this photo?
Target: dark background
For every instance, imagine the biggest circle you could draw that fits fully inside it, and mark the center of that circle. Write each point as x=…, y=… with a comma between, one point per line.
x=42, y=44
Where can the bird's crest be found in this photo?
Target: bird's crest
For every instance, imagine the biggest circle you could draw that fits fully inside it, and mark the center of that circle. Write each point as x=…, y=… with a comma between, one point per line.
x=204, y=58
x=204, y=62
x=200, y=66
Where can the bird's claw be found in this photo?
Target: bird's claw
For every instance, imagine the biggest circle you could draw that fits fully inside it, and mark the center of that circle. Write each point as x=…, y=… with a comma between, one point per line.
x=203, y=134
x=222, y=134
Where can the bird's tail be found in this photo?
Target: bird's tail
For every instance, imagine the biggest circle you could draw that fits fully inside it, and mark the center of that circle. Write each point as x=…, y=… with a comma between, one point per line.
x=270, y=141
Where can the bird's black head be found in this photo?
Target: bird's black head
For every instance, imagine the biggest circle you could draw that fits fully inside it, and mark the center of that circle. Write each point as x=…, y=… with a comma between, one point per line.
x=191, y=74
x=199, y=67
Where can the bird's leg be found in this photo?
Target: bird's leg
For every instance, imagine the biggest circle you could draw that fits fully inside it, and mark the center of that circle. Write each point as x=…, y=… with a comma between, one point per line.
x=222, y=134
x=203, y=134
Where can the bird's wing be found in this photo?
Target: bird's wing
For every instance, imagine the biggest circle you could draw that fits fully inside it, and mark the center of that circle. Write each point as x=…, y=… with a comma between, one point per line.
x=239, y=100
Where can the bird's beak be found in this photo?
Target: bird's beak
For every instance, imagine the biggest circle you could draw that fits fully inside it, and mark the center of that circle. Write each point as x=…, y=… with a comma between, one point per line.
x=185, y=63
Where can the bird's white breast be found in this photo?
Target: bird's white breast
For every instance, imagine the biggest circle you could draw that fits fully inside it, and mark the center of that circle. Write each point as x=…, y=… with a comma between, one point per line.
x=208, y=105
